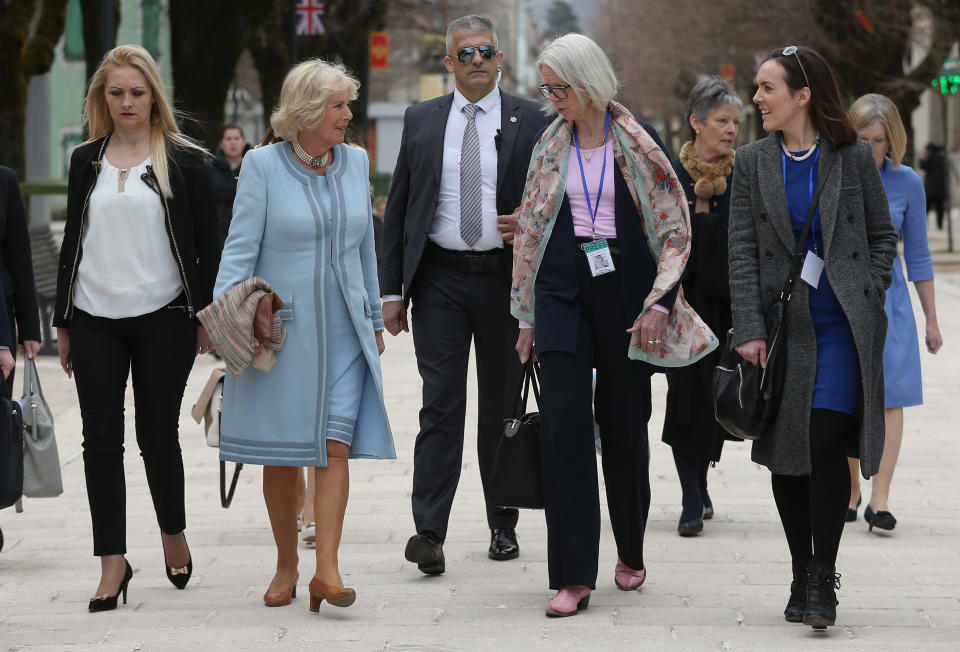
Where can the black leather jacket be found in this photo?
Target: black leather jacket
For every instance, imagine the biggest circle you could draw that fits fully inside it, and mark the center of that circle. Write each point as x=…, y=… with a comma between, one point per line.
x=190, y=221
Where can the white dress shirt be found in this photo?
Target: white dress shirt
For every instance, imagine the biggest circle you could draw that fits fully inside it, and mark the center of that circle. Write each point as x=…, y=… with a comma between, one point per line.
x=127, y=268
x=445, y=230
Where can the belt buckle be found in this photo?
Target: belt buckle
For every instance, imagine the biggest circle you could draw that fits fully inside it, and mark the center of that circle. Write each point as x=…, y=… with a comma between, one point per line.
x=474, y=263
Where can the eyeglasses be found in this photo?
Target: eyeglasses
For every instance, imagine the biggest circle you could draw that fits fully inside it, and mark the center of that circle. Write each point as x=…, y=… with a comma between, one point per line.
x=792, y=49
x=465, y=55
x=559, y=92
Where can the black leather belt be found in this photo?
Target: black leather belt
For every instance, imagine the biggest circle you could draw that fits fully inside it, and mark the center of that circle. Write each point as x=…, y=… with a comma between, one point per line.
x=611, y=243
x=465, y=261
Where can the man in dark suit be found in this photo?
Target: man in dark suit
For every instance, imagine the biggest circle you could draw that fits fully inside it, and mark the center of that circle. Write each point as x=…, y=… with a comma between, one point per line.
x=16, y=270
x=6, y=344
x=449, y=224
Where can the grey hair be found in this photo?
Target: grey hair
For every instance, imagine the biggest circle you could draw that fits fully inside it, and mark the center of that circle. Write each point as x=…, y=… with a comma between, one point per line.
x=470, y=25
x=707, y=96
x=580, y=62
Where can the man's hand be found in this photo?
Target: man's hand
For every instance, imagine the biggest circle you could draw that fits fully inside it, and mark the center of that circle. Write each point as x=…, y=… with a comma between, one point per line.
x=31, y=348
x=507, y=225
x=395, y=317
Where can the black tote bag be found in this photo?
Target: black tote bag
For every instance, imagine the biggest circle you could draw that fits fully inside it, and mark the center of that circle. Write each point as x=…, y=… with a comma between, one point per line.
x=11, y=451
x=516, y=479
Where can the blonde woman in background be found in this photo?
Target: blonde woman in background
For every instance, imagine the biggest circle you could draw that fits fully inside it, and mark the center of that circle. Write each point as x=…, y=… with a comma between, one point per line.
x=876, y=120
x=139, y=258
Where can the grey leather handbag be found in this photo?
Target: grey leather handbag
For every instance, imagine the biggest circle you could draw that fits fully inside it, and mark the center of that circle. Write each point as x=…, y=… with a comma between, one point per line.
x=41, y=461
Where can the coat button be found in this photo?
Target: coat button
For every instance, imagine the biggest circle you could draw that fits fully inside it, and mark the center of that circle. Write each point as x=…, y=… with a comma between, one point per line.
x=866, y=292
x=855, y=255
x=769, y=255
x=850, y=219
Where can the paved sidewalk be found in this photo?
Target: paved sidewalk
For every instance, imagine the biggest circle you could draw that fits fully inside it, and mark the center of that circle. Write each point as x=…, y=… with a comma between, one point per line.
x=723, y=590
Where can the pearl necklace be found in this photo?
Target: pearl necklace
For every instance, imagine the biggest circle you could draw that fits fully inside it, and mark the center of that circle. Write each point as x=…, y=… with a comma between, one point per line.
x=313, y=161
x=802, y=157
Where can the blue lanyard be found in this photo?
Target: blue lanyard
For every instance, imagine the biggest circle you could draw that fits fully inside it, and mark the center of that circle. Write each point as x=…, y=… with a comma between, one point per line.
x=583, y=177
x=813, y=167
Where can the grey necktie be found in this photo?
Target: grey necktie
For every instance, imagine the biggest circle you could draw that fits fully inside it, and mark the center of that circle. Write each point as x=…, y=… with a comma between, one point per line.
x=471, y=198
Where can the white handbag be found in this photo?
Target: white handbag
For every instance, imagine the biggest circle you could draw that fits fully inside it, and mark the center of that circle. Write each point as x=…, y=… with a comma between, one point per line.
x=207, y=411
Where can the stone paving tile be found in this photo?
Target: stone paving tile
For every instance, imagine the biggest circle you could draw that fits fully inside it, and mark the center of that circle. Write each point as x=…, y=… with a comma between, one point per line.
x=724, y=590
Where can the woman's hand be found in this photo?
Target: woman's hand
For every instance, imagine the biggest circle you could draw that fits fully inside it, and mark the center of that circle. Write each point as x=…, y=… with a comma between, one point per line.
x=754, y=350
x=63, y=348
x=31, y=348
x=934, y=340
x=524, y=345
x=648, y=331
x=7, y=363
x=203, y=340
x=380, y=346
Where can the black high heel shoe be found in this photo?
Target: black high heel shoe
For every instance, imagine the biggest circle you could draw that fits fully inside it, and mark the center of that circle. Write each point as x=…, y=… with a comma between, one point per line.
x=882, y=520
x=179, y=576
x=108, y=602
x=852, y=513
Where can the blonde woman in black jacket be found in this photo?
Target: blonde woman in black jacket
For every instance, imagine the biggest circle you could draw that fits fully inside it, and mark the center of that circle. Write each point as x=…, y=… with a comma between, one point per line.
x=139, y=259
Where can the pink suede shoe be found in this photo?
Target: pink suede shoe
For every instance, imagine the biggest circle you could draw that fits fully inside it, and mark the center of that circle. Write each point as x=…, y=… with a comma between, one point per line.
x=569, y=601
x=626, y=578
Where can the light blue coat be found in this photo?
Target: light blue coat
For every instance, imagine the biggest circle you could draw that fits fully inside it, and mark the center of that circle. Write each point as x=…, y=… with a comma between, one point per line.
x=282, y=232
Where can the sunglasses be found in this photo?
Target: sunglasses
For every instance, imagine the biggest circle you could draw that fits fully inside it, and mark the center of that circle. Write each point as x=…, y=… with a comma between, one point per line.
x=792, y=49
x=559, y=92
x=465, y=55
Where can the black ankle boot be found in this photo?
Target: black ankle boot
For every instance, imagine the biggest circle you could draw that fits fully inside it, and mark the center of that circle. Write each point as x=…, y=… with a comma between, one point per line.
x=797, y=603
x=822, y=601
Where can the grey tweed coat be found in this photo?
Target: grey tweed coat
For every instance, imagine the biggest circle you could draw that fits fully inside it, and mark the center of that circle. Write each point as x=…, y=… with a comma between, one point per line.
x=860, y=244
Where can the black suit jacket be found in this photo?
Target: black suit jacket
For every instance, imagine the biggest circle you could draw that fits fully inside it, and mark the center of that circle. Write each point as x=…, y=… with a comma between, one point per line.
x=414, y=193
x=16, y=265
x=4, y=327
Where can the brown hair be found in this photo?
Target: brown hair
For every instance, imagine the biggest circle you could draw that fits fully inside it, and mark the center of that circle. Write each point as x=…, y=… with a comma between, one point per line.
x=828, y=111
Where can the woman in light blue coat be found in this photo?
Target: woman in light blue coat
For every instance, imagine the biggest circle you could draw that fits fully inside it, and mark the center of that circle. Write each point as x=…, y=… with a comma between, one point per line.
x=302, y=221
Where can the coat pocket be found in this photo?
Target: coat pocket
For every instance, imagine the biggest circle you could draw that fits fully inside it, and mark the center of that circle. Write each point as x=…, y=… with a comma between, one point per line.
x=286, y=313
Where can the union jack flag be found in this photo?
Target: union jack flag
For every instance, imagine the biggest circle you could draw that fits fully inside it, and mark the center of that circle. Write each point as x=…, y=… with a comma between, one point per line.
x=309, y=18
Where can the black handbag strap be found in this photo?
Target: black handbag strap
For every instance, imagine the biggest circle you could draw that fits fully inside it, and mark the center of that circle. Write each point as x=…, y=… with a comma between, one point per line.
x=802, y=240
x=226, y=497
x=531, y=376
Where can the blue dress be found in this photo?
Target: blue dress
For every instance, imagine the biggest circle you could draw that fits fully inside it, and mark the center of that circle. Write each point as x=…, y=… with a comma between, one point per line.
x=901, y=353
x=311, y=238
x=837, y=384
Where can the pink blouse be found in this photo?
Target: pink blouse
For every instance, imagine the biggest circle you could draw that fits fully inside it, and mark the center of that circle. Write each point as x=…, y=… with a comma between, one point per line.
x=606, y=225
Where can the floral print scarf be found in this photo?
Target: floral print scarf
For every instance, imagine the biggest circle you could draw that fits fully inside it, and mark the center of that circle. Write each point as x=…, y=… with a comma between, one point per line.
x=662, y=205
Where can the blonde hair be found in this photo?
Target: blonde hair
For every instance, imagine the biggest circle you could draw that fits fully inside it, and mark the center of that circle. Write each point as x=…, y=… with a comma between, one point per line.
x=306, y=90
x=872, y=108
x=163, y=124
x=579, y=61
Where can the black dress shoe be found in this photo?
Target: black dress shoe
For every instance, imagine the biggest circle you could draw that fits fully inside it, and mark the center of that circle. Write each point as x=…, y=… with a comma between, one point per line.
x=690, y=528
x=503, y=544
x=797, y=604
x=426, y=551
x=821, y=610
x=882, y=520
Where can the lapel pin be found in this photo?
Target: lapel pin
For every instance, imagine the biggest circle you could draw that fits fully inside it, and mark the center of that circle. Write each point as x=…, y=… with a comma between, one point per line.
x=513, y=118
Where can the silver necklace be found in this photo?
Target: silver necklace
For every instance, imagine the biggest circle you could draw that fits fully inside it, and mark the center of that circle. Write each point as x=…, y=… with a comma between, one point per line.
x=802, y=157
x=593, y=151
x=313, y=161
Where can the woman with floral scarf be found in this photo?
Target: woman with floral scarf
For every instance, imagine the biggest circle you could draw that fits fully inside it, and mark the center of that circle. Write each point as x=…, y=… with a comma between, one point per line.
x=602, y=242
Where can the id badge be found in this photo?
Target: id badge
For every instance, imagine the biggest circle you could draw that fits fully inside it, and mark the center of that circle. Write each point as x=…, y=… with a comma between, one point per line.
x=598, y=255
x=812, y=269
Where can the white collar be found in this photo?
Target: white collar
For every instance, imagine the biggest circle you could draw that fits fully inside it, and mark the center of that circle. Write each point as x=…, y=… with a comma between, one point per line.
x=487, y=103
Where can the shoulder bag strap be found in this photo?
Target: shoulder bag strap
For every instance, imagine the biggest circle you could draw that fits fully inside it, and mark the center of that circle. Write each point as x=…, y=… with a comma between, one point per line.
x=802, y=240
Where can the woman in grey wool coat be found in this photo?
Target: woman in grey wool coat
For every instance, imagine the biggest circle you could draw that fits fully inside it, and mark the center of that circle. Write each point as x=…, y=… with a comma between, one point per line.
x=832, y=405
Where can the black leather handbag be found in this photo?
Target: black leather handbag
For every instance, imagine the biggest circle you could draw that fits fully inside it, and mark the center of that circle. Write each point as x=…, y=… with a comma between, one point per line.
x=746, y=397
x=516, y=480
x=11, y=451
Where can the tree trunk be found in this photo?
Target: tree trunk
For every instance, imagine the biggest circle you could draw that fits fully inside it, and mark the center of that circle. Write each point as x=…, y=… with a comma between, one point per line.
x=90, y=10
x=206, y=41
x=23, y=55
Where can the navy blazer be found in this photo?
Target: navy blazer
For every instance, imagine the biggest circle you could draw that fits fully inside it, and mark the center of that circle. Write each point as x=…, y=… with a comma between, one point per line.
x=555, y=290
x=16, y=265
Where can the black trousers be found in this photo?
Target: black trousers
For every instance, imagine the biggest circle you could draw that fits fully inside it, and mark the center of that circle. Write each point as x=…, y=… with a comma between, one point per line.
x=813, y=508
x=159, y=349
x=622, y=403
x=938, y=205
x=451, y=308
